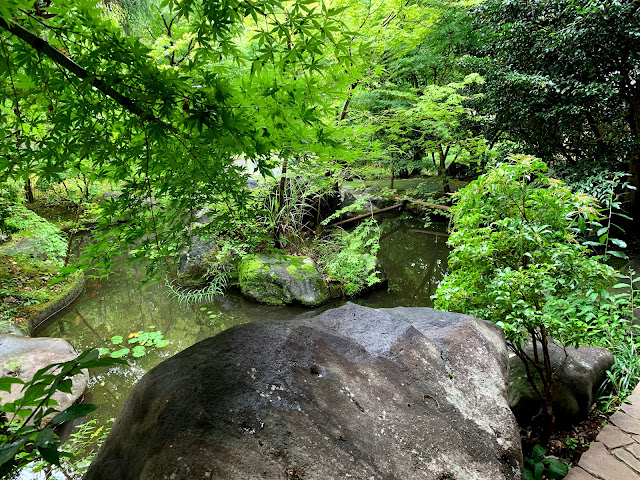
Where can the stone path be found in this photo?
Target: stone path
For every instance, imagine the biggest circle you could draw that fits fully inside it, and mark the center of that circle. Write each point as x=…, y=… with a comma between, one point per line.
x=615, y=455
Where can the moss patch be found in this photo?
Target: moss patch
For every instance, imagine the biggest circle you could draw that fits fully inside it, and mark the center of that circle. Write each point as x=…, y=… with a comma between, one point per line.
x=250, y=267
x=26, y=289
x=281, y=280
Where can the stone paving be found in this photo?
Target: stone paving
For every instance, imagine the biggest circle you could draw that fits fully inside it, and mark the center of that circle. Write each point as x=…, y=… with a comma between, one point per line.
x=615, y=455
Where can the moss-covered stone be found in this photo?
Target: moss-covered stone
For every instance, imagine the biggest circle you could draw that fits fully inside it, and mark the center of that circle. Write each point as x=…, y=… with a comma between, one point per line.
x=30, y=296
x=282, y=280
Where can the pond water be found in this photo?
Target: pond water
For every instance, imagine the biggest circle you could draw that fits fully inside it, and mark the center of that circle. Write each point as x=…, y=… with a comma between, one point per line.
x=414, y=258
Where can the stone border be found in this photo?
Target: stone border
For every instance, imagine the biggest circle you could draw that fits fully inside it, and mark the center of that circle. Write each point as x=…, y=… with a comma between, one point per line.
x=615, y=455
x=56, y=305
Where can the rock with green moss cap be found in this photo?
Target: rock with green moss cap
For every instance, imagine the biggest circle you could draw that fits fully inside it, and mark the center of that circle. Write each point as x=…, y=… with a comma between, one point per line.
x=282, y=280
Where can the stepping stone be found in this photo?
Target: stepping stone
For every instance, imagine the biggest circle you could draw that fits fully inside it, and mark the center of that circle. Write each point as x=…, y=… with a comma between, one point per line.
x=576, y=473
x=628, y=458
x=634, y=449
x=632, y=410
x=600, y=463
x=626, y=423
x=613, y=437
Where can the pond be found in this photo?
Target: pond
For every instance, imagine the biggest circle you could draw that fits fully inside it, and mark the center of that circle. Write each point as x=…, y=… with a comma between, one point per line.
x=414, y=258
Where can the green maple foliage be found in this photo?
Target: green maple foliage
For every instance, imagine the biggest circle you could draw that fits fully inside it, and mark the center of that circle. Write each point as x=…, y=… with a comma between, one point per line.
x=173, y=121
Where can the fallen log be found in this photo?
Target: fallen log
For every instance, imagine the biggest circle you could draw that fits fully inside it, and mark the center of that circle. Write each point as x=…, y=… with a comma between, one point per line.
x=399, y=206
x=425, y=204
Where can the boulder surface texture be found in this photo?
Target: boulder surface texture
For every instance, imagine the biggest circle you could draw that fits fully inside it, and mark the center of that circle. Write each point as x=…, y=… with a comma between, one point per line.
x=360, y=393
x=282, y=280
x=195, y=261
x=22, y=357
x=578, y=373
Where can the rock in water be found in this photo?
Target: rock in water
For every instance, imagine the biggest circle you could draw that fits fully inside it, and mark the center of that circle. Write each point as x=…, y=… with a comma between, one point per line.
x=402, y=393
x=282, y=280
x=22, y=357
x=195, y=261
x=578, y=373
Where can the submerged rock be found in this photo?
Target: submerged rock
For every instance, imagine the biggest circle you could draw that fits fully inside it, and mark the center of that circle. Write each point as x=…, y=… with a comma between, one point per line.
x=578, y=373
x=22, y=357
x=282, y=280
x=402, y=393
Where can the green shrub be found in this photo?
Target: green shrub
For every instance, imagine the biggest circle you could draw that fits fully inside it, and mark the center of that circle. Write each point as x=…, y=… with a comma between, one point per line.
x=48, y=238
x=24, y=435
x=517, y=262
x=350, y=257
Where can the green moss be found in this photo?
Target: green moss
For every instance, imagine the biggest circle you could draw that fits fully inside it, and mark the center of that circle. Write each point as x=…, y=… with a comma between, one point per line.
x=308, y=267
x=293, y=271
x=255, y=282
x=25, y=286
x=264, y=278
x=250, y=267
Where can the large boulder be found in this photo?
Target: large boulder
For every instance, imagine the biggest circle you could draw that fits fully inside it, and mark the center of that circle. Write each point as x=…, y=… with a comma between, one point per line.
x=578, y=373
x=402, y=393
x=22, y=357
x=282, y=280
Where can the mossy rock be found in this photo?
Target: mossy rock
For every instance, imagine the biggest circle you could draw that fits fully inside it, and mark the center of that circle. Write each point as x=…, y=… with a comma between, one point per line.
x=282, y=280
x=30, y=296
x=201, y=261
x=195, y=261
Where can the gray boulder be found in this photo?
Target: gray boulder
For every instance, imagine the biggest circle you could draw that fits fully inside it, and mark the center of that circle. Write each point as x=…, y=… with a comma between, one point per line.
x=195, y=261
x=349, y=196
x=113, y=196
x=282, y=280
x=22, y=357
x=12, y=329
x=402, y=393
x=578, y=373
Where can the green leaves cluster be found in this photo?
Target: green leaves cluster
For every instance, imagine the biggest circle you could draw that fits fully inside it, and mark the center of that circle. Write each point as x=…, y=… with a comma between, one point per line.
x=517, y=262
x=349, y=258
x=538, y=466
x=174, y=127
x=25, y=431
x=516, y=253
x=48, y=239
x=562, y=79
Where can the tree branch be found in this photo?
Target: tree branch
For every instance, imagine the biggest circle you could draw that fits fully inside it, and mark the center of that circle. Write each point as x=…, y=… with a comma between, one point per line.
x=65, y=62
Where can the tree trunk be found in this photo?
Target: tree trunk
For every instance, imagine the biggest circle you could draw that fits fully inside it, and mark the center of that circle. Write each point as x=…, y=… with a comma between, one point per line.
x=28, y=191
x=633, y=196
x=442, y=154
x=281, y=186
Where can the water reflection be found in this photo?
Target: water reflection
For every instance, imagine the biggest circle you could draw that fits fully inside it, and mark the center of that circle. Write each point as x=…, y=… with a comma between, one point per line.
x=415, y=260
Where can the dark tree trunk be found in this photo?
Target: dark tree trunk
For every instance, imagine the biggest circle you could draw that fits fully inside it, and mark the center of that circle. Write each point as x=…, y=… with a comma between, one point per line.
x=28, y=191
x=633, y=196
x=442, y=154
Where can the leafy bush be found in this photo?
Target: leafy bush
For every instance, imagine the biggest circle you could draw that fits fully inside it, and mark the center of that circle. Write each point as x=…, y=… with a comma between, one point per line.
x=516, y=260
x=83, y=445
x=48, y=237
x=538, y=466
x=350, y=257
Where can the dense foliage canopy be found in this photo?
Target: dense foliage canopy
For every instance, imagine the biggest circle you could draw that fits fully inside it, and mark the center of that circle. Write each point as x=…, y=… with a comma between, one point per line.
x=562, y=78
x=251, y=83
